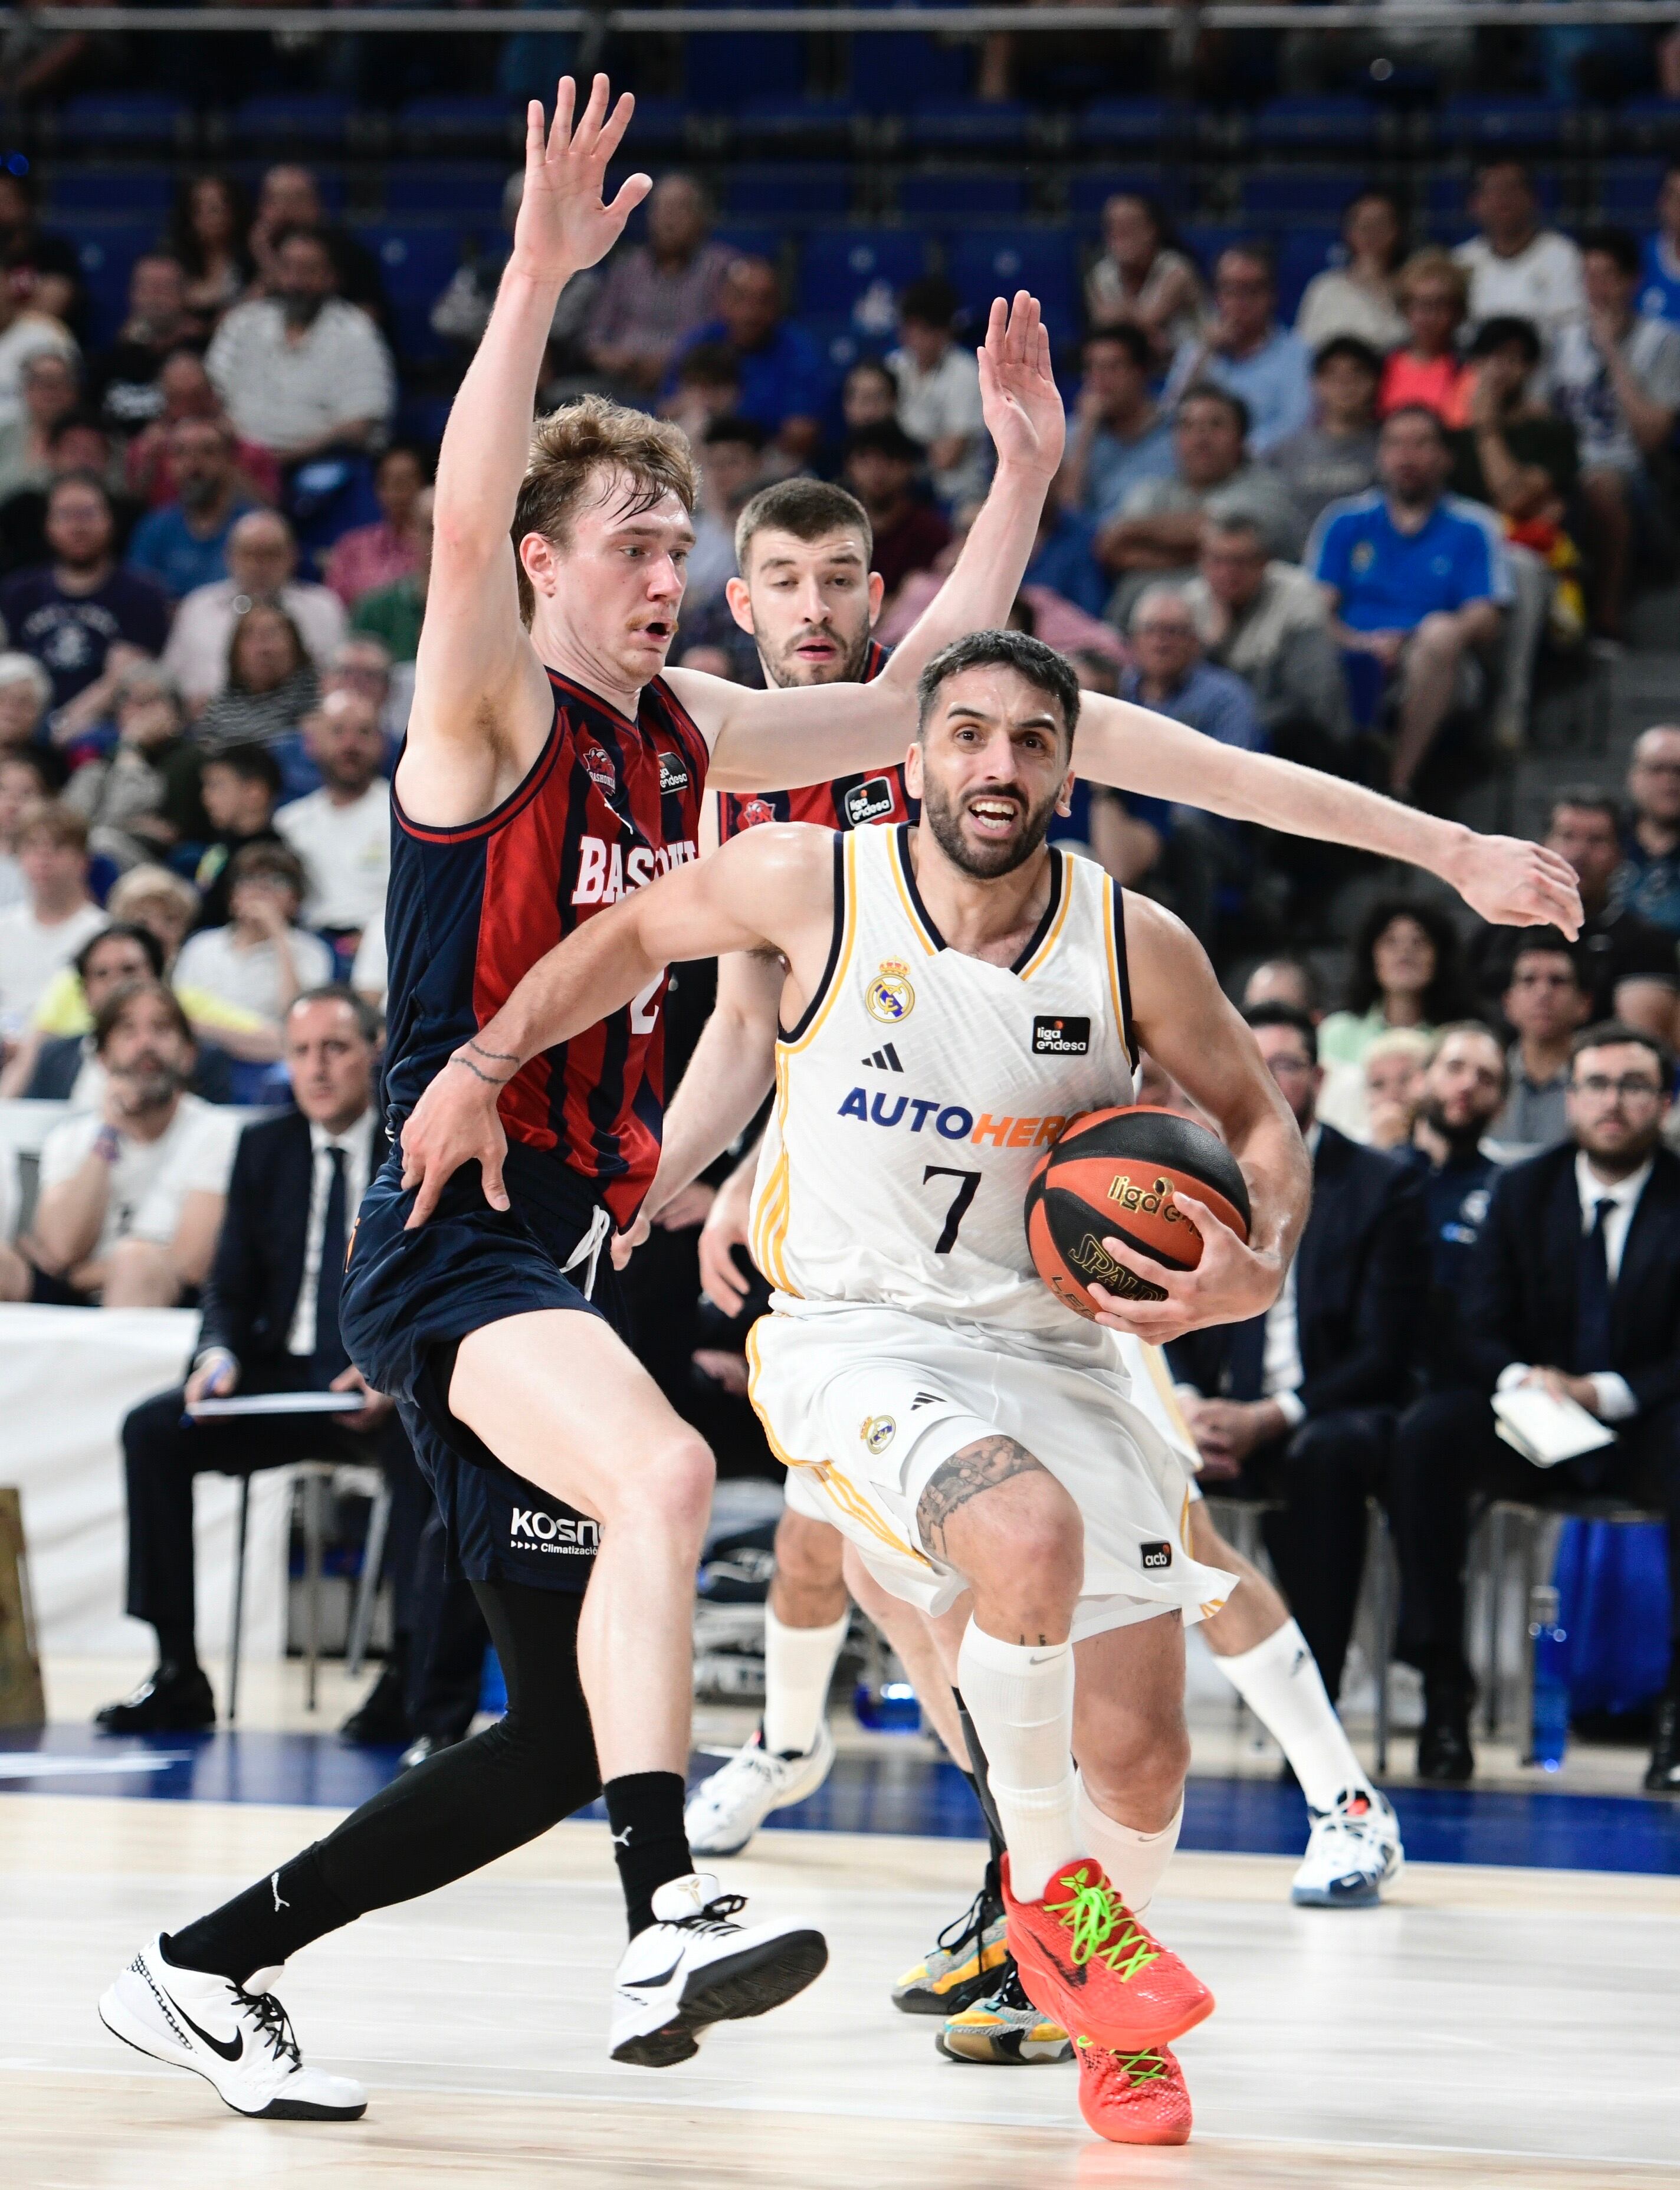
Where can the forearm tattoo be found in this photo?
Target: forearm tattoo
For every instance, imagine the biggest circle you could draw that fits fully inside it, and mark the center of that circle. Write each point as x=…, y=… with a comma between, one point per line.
x=491, y=1056
x=979, y=1467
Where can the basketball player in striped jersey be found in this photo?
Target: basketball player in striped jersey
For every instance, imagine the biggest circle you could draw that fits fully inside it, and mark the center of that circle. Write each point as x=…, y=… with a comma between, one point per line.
x=975, y=1444
x=551, y=768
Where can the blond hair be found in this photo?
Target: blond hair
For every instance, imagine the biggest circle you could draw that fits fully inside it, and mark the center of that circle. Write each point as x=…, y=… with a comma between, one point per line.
x=571, y=447
x=1432, y=263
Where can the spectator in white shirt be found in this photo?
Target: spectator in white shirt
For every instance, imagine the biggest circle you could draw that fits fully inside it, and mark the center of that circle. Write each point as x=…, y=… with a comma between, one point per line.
x=261, y=962
x=132, y=1193
x=23, y=784
x=939, y=392
x=57, y=916
x=262, y=557
x=1518, y=269
x=342, y=831
x=26, y=695
x=301, y=372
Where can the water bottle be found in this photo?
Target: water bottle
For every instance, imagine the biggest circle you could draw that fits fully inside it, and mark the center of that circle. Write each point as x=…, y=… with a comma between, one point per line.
x=1550, y=1644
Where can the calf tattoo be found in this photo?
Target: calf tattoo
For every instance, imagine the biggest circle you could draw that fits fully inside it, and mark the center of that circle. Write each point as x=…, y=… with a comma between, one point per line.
x=979, y=1467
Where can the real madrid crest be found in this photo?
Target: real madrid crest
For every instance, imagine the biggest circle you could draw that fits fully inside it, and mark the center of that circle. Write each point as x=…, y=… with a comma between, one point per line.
x=877, y=1431
x=890, y=996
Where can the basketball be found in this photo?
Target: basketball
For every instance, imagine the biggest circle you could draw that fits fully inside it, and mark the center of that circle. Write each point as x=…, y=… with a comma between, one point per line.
x=1113, y=1174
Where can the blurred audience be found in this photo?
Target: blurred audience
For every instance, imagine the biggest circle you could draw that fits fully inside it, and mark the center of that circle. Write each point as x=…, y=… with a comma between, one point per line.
x=55, y=919
x=1630, y=964
x=240, y=790
x=1243, y=349
x=48, y=390
x=1545, y=1004
x=1360, y=298
x=1169, y=674
x=69, y=612
x=1267, y=623
x=262, y=558
x=1404, y=974
x=187, y=392
x=1118, y=435
x=1393, y=1080
x=26, y=695
x=1648, y=881
x=656, y=294
x=939, y=385
x=881, y=466
x=184, y=544
x=393, y=613
x=208, y=237
x=1517, y=268
x=342, y=831
x=778, y=367
x=272, y=684
x=380, y=554
x=261, y=961
x=1427, y=371
x=141, y=801
x=122, y=379
x=1334, y=455
x=1141, y=280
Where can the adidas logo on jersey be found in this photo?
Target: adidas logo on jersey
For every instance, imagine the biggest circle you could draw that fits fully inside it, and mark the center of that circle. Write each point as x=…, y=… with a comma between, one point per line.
x=924, y=1399
x=885, y=1059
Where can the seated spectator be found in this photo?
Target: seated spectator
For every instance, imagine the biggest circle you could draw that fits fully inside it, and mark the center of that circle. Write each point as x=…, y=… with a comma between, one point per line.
x=393, y=614
x=939, y=386
x=869, y=395
x=780, y=367
x=657, y=293
x=131, y=1193
x=143, y=800
x=1647, y=881
x=271, y=1324
x=1359, y=298
x=1427, y=371
x=1159, y=525
x=1630, y=966
x=55, y=919
x=731, y=472
x=1298, y=1405
x=1512, y=452
x=373, y=555
x=1063, y=593
x=54, y=1062
x=262, y=558
x=1404, y=974
x=240, y=790
x=1266, y=622
x=1118, y=436
x=26, y=695
x=262, y=960
x=1546, y=1005
x=289, y=197
x=1141, y=281
x=207, y=234
x=882, y=463
x=1616, y=376
x=1289, y=981
x=23, y=786
x=1573, y=1289
x=462, y=314
x=123, y=380
x=24, y=334
x=184, y=544
x=1419, y=582
x=45, y=274
x=271, y=684
x=186, y=391
x=1063, y=562
x=162, y=903
x=1335, y=455
x=71, y=610
x=76, y=444
x=1517, y=268
x=706, y=386
x=301, y=372
x=1394, y=1084
x=1244, y=351
x=48, y=391
x=342, y=831
x=361, y=663
x=1169, y=675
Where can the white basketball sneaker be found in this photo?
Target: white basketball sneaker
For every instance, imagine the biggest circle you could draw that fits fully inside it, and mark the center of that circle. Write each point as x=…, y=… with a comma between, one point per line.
x=726, y=1810
x=1353, y=1851
x=694, y=1967
x=237, y=2037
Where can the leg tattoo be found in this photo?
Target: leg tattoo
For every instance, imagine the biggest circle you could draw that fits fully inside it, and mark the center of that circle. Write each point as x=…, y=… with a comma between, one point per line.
x=977, y=1467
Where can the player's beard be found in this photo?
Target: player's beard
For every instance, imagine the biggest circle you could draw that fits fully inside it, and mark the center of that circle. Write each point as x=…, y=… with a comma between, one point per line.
x=787, y=674
x=985, y=862
x=1463, y=1136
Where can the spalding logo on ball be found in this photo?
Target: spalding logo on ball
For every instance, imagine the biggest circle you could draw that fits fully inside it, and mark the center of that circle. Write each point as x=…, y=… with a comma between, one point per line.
x=1114, y=1175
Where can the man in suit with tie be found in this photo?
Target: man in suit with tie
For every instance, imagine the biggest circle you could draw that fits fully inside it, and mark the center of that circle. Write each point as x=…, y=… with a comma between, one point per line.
x=271, y=1324
x=1574, y=1284
x=1298, y=1405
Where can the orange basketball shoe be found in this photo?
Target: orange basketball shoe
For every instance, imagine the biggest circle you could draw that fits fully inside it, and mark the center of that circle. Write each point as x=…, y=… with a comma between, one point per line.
x=1089, y=1964
x=1133, y=2098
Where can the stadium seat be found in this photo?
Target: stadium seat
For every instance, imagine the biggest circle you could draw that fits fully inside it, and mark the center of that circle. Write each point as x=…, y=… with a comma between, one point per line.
x=1445, y=193
x=1304, y=252
x=1650, y=123
x=1206, y=239
x=416, y=259
x=722, y=71
x=843, y=266
x=758, y=239
x=942, y=193
x=294, y=118
x=1090, y=188
x=123, y=193
x=1137, y=123
x=126, y=117
x=968, y=125
x=106, y=251
x=461, y=189
x=988, y=263
x=1294, y=193
x=894, y=71
x=823, y=190
x=1339, y=123
x=1628, y=189
x=800, y=127
x=482, y=123
x=1478, y=123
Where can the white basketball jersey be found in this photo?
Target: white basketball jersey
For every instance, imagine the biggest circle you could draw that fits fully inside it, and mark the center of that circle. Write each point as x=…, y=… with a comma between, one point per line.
x=920, y=1088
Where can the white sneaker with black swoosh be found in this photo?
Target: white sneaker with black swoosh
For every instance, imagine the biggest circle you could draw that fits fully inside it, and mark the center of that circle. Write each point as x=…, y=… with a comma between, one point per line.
x=694, y=1966
x=237, y=2037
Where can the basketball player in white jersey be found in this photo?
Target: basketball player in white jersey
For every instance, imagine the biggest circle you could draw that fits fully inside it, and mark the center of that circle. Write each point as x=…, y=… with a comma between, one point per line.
x=976, y=1444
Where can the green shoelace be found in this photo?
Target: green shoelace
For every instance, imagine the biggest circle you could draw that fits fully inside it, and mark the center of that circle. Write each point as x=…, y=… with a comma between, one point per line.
x=1140, y=2067
x=1104, y=1928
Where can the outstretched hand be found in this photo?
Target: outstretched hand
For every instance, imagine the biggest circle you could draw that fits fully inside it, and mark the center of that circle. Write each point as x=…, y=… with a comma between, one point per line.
x=455, y=1122
x=564, y=221
x=1231, y=1283
x=1517, y=884
x=1020, y=399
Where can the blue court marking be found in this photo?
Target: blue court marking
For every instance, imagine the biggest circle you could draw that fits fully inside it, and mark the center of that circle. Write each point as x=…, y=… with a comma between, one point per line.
x=880, y=1793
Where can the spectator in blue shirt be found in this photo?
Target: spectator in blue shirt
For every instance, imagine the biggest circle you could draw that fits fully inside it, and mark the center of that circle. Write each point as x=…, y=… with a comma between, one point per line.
x=1648, y=880
x=1119, y=435
x=782, y=369
x=184, y=544
x=1660, y=295
x=1419, y=583
x=1063, y=559
x=1244, y=351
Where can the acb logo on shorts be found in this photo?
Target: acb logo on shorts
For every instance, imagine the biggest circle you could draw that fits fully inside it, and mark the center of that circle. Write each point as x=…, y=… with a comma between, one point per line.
x=1156, y=1558
x=890, y=998
x=878, y=1432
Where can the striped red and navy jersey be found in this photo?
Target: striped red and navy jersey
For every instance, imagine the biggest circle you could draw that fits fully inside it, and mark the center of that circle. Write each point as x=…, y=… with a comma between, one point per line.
x=609, y=805
x=846, y=803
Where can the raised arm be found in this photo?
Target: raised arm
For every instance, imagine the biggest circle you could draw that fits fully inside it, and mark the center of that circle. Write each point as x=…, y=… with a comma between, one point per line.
x=1503, y=878
x=481, y=704
x=731, y=1071
x=772, y=741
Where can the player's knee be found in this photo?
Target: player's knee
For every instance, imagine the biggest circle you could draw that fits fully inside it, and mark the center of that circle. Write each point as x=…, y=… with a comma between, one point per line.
x=677, y=1483
x=1023, y=1550
x=1136, y=1760
x=808, y=1553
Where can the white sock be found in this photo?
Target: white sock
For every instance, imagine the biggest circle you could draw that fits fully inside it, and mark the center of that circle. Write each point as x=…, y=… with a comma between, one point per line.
x=1133, y=1861
x=1278, y=1680
x=799, y=1663
x=1021, y=1701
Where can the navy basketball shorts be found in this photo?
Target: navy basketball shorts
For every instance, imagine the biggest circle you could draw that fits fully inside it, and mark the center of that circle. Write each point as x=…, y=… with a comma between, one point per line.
x=410, y=1297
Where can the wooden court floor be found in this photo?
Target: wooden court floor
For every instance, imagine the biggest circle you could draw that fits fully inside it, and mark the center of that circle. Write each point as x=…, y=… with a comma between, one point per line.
x=1503, y=2027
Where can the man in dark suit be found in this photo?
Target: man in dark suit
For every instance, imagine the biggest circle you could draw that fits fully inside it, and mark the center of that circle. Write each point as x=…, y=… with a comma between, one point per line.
x=1574, y=1286
x=271, y=1324
x=1298, y=1405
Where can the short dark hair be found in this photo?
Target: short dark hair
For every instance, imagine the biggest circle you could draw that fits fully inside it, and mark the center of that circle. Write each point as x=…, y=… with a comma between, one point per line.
x=1358, y=352
x=1609, y=1034
x=1286, y=1015
x=808, y=509
x=277, y=861
x=1040, y=665
x=887, y=438
x=127, y=931
x=1432, y=419
x=709, y=365
x=1543, y=942
x=370, y=1022
x=1619, y=245
x=1209, y=391
x=251, y=763
x=1501, y=331
x=1126, y=337
x=1585, y=798
x=308, y=231
x=732, y=426
x=1472, y=1026
x=931, y=302
x=1258, y=251
x=110, y=1013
